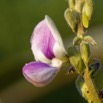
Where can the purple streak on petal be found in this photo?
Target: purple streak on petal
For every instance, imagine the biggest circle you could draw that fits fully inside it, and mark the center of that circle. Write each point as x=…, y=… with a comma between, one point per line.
x=42, y=39
x=38, y=73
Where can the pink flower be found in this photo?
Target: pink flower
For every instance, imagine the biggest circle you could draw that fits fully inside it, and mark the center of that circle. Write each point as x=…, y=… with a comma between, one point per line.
x=48, y=50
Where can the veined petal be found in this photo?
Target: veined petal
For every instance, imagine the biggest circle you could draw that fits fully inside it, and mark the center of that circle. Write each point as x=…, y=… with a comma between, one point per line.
x=45, y=36
x=56, y=35
x=38, y=73
x=42, y=41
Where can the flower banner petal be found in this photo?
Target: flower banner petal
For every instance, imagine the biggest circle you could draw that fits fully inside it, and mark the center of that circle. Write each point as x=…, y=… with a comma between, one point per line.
x=38, y=73
x=45, y=36
x=42, y=41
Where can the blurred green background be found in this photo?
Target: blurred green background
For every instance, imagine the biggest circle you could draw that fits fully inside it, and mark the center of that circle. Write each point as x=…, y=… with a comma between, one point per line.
x=17, y=20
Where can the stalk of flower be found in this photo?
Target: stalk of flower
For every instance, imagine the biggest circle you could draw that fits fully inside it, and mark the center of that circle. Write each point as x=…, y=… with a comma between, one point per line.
x=49, y=53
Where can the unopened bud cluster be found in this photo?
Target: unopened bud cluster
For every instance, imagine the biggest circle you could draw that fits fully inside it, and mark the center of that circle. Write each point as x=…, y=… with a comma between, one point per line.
x=79, y=11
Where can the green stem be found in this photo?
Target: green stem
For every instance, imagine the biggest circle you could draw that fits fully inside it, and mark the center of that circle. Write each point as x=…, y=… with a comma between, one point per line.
x=91, y=88
x=87, y=78
x=80, y=32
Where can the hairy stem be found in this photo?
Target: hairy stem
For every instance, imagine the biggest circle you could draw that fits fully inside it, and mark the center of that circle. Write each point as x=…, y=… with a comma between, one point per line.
x=91, y=88
x=87, y=78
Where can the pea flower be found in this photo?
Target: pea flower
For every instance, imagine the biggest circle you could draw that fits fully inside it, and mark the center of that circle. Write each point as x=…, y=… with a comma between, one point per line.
x=48, y=50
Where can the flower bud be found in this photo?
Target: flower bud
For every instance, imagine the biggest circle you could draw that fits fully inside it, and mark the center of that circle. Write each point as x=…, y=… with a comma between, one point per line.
x=89, y=8
x=71, y=17
x=87, y=12
x=90, y=40
x=85, y=19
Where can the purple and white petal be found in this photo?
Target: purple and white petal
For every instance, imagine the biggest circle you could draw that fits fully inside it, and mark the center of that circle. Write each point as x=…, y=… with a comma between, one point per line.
x=42, y=41
x=38, y=73
x=46, y=41
x=59, y=43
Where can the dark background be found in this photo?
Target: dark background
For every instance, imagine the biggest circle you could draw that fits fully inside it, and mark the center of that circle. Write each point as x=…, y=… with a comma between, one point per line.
x=17, y=20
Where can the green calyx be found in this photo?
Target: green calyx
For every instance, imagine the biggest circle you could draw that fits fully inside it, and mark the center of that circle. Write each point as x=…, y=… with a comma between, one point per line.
x=76, y=60
x=71, y=16
x=90, y=40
